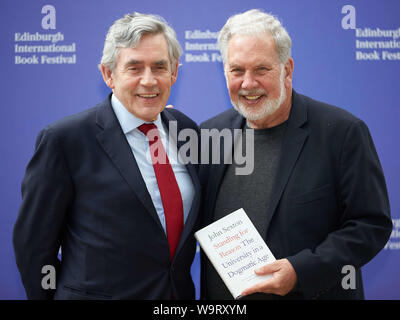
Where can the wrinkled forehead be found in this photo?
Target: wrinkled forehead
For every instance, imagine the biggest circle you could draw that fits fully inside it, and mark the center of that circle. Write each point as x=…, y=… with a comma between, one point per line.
x=150, y=49
x=252, y=48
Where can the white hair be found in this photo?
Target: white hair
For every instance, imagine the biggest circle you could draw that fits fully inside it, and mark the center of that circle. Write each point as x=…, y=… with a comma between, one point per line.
x=255, y=22
x=129, y=30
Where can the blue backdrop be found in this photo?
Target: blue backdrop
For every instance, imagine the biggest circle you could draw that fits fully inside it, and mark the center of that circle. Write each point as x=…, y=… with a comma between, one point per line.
x=331, y=43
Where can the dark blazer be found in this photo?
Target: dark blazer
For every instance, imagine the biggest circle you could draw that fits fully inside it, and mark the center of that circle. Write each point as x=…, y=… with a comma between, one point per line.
x=329, y=202
x=83, y=190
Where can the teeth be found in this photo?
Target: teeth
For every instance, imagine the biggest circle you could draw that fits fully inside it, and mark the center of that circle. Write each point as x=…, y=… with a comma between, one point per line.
x=147, y=95
x=252, y=97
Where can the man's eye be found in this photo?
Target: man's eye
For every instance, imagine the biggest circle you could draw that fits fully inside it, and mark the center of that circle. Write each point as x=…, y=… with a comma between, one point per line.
x=161, y=68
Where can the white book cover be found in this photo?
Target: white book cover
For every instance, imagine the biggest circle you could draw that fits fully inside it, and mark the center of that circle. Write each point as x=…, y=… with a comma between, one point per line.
x=235, y=248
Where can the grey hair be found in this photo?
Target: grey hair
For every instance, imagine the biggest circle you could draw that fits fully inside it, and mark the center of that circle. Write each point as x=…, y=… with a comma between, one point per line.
x=255, y=22
x=129, y=30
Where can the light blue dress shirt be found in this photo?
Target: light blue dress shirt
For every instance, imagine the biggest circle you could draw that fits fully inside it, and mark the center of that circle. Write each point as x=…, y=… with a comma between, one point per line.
x=141, y=151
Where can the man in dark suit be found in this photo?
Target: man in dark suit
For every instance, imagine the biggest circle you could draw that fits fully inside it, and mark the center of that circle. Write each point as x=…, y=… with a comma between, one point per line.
x=317, y=192
x=106, y=185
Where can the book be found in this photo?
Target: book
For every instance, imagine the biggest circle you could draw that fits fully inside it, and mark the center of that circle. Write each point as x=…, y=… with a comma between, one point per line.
x=235, y=248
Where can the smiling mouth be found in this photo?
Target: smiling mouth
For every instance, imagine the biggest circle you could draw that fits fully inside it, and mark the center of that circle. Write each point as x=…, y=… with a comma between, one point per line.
x=148, y=96
x=251, y=98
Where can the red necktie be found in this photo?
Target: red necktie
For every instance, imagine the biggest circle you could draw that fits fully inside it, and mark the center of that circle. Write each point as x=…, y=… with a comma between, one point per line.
x=170, y=194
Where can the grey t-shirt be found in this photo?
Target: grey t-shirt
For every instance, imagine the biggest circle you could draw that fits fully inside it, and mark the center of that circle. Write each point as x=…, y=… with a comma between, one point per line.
x=250, y=192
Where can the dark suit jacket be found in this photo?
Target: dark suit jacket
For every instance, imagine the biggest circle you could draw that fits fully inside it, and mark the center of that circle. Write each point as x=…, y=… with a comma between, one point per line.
x=83, y=190
x=329, y=204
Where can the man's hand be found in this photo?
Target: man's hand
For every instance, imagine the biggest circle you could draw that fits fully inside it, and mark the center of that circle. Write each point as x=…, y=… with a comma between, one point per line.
x=283, y=278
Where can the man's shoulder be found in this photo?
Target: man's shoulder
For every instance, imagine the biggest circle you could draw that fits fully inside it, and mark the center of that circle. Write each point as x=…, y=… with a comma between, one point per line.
x=183, y=119
x=76, y=124
x=75, y=119
x=221, y=120
x=322, y=111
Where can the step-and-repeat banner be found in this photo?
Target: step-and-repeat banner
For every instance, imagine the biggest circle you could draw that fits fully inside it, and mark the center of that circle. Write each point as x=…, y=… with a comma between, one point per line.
x=346, y=53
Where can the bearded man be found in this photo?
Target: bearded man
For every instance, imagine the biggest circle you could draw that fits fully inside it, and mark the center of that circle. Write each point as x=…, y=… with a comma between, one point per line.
x=317, y=194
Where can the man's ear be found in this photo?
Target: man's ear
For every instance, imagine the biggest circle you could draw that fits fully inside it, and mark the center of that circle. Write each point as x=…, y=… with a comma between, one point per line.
x=174, y=75
x=289, y=66
x=107, y=76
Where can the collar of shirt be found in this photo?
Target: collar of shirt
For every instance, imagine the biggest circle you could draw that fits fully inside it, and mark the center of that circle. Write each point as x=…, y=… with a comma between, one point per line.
x=129, y=122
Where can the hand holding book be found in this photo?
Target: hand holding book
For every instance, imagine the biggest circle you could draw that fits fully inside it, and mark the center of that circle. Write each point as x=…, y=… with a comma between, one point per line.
x=242, y=259
x=235, y=248
x=283, y=279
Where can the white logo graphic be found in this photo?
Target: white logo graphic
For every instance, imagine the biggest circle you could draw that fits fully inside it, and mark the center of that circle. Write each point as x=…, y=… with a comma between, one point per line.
x=44, y=48
x=200, y=51
x=349, y=20
x=372, y=44
x=49, y=20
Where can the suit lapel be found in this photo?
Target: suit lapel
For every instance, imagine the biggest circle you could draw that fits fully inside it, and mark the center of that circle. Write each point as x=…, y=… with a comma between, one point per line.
x=114, y=143
x=292, y=144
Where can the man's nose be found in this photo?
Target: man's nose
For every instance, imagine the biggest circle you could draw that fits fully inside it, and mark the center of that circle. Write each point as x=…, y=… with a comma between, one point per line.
x=249, y=81
x=148, y=78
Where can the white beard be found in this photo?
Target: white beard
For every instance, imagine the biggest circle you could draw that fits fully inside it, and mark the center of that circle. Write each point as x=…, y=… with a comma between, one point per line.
x=267, y=108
